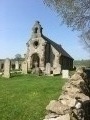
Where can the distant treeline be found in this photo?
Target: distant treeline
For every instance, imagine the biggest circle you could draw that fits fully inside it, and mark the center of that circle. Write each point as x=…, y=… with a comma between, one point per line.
x=82, y=63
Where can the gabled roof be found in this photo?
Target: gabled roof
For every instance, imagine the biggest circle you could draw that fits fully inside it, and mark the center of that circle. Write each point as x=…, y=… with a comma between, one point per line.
x=57, y=47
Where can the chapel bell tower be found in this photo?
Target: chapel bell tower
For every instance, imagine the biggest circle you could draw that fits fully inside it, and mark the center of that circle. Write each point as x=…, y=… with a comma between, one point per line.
x=37, y=30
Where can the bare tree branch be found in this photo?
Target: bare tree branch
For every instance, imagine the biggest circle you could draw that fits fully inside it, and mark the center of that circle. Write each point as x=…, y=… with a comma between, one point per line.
x=75, y=14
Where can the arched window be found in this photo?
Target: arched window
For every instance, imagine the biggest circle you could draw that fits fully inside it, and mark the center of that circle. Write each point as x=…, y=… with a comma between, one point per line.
x=35, y=43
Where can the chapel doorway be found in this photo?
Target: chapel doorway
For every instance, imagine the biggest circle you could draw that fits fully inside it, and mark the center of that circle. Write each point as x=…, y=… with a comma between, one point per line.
x=35, y=60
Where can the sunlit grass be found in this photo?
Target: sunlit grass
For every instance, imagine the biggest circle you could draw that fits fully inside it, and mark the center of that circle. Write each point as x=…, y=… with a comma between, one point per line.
x=24, y=97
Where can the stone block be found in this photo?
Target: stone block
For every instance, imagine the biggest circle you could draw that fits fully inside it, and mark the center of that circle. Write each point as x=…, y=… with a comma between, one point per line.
x=61, y=117
x=16, y=65
x=6, y=68
x=74, y=102
x=57, y=70
x=65, y=73
x=24, y=67
x=57, y=107
x=48, y=68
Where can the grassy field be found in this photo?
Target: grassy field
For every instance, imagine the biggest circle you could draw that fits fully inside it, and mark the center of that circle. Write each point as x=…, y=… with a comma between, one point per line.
x=24, y=97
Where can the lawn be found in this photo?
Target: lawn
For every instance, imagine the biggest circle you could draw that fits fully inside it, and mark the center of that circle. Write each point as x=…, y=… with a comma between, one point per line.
x=24, y=97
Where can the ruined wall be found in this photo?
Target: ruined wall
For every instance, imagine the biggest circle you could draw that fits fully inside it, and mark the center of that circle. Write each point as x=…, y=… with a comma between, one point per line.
x=74, y=102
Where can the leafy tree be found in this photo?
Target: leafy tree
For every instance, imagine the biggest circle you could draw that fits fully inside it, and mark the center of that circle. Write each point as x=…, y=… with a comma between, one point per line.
x=18, y=56
x=75, y=14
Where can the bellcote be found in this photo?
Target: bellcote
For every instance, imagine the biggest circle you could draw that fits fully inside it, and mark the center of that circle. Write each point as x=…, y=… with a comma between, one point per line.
x=37, y=30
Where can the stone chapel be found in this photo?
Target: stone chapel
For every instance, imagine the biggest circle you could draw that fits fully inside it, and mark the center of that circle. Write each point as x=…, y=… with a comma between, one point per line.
x=44, y=53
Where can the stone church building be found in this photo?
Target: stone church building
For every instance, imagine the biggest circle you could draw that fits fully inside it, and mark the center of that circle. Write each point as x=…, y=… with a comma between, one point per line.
x=45, y=54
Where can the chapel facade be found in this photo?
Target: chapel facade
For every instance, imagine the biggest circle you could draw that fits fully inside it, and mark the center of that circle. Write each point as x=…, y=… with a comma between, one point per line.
x=45, y=54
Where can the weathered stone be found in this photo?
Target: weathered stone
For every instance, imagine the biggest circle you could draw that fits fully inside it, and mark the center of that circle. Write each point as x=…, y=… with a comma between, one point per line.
x=51, y=115
x=6, y=68
x=24, y=67
x=74, y=100
x=57, y=107
x=70, y=102
x=76, y=76
x=0, y=73
x=72, y=89
x=80, y=70
x=77, y=83
x=78, y=105
x=65, y=73
x=61, y=117
x=82, y=97
x=36, y=71
x=48, y=68
x=42, y=50
x=16, y=65
x=63, y=96
x=57, y=69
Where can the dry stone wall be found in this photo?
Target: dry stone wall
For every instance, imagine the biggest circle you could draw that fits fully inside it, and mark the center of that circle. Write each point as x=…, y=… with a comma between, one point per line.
x=74, y=102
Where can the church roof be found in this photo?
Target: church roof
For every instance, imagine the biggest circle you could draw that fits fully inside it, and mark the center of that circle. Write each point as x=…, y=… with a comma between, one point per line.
x=57, y=47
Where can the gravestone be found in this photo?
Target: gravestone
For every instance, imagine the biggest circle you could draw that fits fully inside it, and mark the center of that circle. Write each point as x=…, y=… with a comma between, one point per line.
x=16, y=65
x=65, y=73
x=7, y=68
x=48, y=68
x=24, y=67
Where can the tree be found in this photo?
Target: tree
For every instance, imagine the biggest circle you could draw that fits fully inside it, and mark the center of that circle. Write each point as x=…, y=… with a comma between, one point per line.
x=18, y=56
x=75, y=14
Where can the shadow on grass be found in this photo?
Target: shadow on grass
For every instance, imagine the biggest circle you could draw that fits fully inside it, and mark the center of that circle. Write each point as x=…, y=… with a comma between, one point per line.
x=16, y=75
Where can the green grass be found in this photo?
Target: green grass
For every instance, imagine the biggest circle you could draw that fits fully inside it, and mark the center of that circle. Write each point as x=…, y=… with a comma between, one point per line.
x=25, y=97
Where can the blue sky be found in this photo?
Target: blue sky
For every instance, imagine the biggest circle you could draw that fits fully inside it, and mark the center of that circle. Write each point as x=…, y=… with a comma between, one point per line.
x=17, y=18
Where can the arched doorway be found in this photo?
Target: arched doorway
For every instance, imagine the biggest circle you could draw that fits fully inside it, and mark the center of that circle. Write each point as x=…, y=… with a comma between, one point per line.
x=35, y=60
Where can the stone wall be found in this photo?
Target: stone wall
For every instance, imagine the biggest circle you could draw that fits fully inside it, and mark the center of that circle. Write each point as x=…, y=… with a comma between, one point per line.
x=74, y=102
